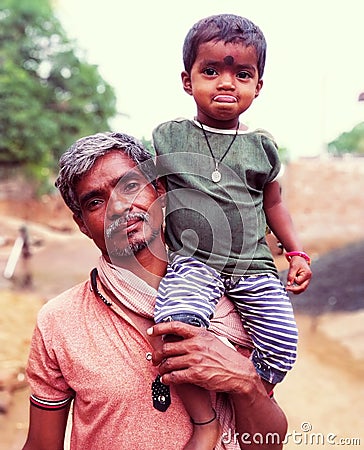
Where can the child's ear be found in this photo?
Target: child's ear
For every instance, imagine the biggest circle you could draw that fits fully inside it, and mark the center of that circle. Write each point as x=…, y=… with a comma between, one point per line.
x=258, y=88
x=186, y=82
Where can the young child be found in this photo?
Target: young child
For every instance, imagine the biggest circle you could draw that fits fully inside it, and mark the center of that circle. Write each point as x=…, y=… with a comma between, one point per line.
x=223, y=192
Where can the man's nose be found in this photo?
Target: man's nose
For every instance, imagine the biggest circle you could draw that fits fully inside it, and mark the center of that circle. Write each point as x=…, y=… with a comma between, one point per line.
x=118, y=205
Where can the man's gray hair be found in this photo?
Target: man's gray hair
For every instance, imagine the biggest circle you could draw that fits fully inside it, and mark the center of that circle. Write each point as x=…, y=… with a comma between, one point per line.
x=82, y=155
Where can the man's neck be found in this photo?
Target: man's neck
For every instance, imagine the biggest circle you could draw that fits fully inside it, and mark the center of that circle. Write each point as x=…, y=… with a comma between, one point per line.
x=149, y=264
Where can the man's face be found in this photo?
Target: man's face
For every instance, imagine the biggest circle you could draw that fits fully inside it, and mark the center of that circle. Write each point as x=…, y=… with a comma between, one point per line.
x=121, y=210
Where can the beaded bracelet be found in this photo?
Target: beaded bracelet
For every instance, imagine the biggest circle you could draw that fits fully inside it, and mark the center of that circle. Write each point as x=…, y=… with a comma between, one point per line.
x=302, y=254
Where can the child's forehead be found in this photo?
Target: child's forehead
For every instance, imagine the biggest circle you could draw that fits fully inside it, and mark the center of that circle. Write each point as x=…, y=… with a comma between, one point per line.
x=229, y=53
x=229, y=60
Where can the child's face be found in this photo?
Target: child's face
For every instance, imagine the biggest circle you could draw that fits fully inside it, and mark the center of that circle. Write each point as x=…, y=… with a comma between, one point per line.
x=223, y=81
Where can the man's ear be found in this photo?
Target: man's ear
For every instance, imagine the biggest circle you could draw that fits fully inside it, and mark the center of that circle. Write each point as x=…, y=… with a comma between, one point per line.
x=186, y=82
x=81, y=225
x=161, y=190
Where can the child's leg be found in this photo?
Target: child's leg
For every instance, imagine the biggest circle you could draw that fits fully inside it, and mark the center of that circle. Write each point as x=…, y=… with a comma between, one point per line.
x=189, y=293
x=189, y=287
x=267, y=315
x=197, y=402
x=206, y=427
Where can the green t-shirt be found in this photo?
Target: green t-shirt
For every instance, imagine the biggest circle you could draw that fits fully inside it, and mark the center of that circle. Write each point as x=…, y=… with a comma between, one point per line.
x=221, y=224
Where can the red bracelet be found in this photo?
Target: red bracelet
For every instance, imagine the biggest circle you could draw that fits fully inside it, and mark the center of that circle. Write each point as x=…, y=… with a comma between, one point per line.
x=302, y=254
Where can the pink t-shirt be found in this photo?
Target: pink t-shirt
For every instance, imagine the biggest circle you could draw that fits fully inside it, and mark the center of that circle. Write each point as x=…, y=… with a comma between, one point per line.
x=85, y=350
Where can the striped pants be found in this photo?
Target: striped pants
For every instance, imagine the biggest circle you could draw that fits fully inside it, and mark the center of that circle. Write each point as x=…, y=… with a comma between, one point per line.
x=190, y=287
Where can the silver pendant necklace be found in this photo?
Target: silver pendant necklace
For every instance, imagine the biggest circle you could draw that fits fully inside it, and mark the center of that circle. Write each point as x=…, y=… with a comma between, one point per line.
x=216, y=174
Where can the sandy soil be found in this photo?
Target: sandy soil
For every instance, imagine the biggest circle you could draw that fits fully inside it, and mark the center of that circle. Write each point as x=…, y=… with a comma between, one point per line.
x=322, y=396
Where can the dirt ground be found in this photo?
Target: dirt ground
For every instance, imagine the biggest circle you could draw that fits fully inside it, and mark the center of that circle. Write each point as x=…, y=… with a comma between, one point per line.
x=322, y=396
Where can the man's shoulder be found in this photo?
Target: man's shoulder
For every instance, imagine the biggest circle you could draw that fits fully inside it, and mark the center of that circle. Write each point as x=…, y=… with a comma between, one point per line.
x=66, y=302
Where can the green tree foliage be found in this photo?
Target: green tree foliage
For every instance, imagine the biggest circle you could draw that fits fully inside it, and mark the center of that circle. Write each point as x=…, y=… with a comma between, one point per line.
x=284, y=155
x=349, y=142
x=49, y=95
x=147, y=143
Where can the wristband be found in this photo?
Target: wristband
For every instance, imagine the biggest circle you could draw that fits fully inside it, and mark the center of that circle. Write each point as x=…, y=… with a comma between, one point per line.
x=302, y=254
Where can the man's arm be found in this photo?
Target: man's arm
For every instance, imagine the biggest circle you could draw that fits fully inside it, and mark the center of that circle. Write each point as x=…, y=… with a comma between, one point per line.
x=46, y=429
x=202, y=359
x=260, y=422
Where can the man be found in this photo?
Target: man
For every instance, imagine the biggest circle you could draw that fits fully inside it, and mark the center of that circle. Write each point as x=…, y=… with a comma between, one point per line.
x=96, y=345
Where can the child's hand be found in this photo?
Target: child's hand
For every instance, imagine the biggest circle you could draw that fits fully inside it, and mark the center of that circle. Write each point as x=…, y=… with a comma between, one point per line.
x=299, y=275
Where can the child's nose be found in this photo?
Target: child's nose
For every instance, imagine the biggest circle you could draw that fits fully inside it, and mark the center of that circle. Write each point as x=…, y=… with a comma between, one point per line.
x=227, y=81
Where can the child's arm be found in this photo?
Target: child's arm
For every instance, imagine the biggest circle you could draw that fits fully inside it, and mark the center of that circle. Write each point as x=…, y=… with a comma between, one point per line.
x=280, y=222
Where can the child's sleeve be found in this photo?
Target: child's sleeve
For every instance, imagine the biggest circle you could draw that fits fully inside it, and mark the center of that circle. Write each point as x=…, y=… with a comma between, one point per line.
x=271, y=151
x=161, y=143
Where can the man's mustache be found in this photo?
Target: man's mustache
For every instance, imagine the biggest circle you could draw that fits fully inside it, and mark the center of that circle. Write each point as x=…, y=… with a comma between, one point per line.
x=120, y=222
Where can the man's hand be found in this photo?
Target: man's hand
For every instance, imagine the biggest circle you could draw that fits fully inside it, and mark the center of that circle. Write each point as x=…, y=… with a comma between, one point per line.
x=203, y=359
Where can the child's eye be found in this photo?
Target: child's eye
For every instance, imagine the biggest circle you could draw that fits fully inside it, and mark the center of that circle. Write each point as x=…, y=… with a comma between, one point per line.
x=209, y=71
x=243, y=75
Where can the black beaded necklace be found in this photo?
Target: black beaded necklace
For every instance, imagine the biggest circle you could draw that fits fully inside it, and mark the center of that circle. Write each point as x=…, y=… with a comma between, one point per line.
x=161, y=396
x=216, y=174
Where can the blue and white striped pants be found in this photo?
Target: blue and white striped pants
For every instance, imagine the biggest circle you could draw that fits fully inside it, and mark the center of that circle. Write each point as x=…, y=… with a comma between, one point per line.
x=192, y=287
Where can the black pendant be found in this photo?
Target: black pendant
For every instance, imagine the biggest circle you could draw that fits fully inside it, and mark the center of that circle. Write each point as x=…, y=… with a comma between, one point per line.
x=161, y=395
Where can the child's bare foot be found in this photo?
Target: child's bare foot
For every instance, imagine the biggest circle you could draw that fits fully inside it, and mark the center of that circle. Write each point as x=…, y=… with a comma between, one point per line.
x=205, y=434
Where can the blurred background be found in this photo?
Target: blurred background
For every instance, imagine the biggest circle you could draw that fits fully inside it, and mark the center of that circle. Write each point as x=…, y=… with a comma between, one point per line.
x=68, y=69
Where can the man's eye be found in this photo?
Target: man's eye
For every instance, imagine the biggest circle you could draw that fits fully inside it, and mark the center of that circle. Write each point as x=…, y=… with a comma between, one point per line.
x=93, y=204
x=243, y=75
x=132, y=187
x=209, y=71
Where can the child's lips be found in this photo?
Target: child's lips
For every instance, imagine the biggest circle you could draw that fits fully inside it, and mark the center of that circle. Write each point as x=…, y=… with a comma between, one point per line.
x=225, y=99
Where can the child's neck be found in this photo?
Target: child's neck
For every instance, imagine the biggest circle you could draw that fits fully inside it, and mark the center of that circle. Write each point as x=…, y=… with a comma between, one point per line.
x=228, y=125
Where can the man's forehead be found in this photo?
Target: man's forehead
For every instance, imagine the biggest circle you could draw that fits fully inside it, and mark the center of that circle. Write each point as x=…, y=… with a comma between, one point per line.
x=111, y=166
x=114, y=162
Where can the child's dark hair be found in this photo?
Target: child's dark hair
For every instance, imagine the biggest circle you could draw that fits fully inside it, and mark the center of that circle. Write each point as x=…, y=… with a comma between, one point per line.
x=227, y=28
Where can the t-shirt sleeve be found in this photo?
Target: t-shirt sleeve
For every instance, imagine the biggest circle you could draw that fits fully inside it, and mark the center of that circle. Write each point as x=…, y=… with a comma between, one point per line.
x=48, y=387
x=271, y=150
x=162, y=143
x=161, y=137
x=157, y=139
